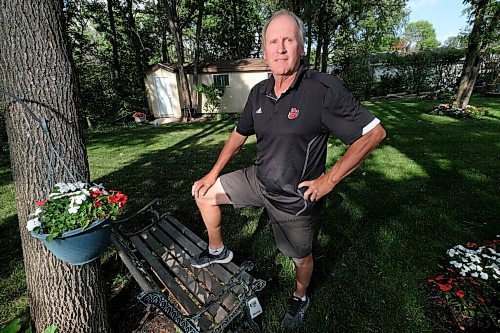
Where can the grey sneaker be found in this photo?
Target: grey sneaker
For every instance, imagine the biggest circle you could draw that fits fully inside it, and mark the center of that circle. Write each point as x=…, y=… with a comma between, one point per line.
x=296, y=311
x=205, y=258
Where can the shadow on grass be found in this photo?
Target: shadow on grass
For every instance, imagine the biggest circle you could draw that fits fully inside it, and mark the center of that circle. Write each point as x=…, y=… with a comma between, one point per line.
x=432, y=184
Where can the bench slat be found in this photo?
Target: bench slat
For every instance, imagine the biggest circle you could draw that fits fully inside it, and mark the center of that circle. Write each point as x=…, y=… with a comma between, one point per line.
x=174, y=259
x=188, y=247
x=188, y=305
x=232, y=267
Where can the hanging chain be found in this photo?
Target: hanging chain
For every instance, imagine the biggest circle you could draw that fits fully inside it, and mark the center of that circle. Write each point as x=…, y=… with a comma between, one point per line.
x=54, y=155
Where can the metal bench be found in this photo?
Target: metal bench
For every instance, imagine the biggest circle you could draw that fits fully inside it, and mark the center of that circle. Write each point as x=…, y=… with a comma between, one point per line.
x=209, y=299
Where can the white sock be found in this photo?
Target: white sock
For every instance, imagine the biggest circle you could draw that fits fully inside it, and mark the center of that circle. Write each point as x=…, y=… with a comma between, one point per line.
x=216, y=251
x=303, y=298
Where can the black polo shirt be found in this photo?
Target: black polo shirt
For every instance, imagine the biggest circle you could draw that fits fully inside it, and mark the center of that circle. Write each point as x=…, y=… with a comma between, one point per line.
x=292, y=133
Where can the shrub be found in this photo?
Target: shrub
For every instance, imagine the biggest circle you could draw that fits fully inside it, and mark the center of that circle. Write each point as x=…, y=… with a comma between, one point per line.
x=213, y=93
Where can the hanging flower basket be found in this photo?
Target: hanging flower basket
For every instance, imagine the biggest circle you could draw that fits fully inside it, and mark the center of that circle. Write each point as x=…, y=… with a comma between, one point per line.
x=74, y=222
x=80, y=246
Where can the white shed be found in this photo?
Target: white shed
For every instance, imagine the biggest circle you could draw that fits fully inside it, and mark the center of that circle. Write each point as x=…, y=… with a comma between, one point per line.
x=239, y=76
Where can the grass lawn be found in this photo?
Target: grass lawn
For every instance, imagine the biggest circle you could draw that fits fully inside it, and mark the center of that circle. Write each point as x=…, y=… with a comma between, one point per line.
x=432, y=184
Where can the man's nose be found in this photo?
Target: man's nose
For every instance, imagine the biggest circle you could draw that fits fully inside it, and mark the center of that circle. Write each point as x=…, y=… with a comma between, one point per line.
x=281, y=46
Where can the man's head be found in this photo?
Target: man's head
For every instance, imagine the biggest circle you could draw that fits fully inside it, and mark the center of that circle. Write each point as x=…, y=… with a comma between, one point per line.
x=283, y=42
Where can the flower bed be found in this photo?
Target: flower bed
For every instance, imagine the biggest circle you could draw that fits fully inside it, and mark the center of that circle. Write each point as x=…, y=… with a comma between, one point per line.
x=450, y=111
x=465, y=296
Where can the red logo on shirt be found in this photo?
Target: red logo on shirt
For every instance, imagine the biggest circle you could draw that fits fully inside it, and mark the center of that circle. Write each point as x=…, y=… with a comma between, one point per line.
x=294, y=113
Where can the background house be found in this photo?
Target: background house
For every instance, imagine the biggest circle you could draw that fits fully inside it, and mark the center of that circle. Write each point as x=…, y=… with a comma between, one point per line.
x=239, y=76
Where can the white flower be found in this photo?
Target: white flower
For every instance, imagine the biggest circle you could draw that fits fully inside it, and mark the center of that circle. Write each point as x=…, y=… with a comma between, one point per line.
x=451, y=252
x=33, y=223
x=475, y=274
x=37, y=211
x=73, y=209
x=484, y=276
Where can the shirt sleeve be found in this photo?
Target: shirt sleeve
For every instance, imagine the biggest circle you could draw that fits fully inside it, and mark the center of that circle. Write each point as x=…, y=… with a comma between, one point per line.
x=245, y=124
x=344, y=116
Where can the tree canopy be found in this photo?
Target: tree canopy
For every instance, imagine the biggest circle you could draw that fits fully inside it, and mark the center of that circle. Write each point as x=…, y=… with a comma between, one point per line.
x=421, y=35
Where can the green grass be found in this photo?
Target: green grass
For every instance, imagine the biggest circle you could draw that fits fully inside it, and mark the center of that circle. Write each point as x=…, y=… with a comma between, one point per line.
x=432, y=184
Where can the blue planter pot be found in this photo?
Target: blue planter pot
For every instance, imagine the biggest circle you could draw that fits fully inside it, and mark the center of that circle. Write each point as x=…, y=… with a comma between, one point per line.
x=78, y=247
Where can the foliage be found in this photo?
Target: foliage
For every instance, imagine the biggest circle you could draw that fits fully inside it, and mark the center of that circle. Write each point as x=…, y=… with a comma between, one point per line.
x=450, y=111
x=357, y=74
x=427, y=70
x=74, y=205
x=421, y=35
x=468, y=291
x=15, y=327
x=457, y=42
x=213, y=93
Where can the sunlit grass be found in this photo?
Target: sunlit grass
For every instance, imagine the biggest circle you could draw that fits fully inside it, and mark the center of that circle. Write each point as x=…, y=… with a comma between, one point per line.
x=432, y=184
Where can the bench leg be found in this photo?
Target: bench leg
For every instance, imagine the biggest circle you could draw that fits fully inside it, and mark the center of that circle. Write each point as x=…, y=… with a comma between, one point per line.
x=161, y=302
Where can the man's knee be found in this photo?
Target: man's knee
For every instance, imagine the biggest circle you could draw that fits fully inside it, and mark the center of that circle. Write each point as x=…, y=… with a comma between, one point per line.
x=303, y=262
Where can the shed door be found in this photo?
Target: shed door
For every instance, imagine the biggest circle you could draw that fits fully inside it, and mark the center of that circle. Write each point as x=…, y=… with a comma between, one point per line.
x=163, y=96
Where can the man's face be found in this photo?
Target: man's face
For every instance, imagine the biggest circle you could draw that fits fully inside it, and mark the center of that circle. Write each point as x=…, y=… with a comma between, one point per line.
x=282, y=49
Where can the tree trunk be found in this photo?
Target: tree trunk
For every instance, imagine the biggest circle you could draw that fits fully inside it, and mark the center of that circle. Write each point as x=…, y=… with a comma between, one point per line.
x=35, y=65
x=199, y=26
x=307, y=58
x=165, y=57
x=476, y=48
x=116, y=59
x=136, y=43
x=319, y=39
x=324, y=55
x=171, y=10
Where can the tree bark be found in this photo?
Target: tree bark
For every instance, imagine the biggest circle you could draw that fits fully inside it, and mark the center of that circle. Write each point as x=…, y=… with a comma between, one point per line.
x=199, y=26
x=116, y=58
x=171, y=11
x=35, y=65
x=476, y=48
x=136, y=43
x=321, y=32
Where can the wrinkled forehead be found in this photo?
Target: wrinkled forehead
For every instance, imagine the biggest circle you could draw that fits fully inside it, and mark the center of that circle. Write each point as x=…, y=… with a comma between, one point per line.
x=282, y=25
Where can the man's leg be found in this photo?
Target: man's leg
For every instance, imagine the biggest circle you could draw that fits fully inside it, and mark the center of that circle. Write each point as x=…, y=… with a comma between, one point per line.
x=211, y=212
x=303, y=273
x=212, y=217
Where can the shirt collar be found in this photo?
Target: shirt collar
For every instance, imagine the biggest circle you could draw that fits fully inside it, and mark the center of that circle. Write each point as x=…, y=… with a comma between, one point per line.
x=268, y=88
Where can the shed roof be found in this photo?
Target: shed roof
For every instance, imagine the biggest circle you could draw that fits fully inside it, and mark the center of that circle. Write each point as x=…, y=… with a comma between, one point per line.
x=221, y=66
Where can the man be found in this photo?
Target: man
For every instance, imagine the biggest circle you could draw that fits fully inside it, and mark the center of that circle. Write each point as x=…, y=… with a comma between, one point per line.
x=292, y=114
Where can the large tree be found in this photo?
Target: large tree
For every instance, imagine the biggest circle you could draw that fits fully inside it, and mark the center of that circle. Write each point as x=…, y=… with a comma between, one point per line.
x=35, y=66
x=421, y=35
x=485, y=15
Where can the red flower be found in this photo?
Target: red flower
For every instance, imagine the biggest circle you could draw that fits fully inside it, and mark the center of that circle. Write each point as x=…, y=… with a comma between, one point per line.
x=460, y=293
x=95, y=193
x=480, y=299
x=118, y=198
x=98, y=203
x=471, y=245
x=439, y=278
x=41, y=203
x=444, y=287
x=430, y=280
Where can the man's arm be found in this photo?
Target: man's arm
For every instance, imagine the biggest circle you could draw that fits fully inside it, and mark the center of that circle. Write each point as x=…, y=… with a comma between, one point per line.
x=349, y=162
x=231, y=148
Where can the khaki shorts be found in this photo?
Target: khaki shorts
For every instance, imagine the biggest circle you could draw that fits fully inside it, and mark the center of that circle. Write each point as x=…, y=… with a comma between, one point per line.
x=293, y=234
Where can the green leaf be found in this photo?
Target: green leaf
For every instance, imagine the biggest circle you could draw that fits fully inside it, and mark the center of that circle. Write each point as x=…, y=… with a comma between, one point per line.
x=51, y=329
x=13, y=327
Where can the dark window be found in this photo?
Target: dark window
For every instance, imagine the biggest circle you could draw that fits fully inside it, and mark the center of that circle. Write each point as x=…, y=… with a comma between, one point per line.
x=222, y=79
